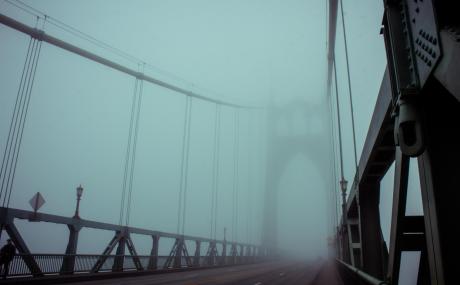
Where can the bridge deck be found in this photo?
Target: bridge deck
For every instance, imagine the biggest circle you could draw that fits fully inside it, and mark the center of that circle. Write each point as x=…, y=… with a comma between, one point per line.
x=280, y=272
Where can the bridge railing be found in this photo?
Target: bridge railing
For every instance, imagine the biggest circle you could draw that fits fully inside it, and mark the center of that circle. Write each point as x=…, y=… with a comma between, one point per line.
x=120, y=254
x=52, y=264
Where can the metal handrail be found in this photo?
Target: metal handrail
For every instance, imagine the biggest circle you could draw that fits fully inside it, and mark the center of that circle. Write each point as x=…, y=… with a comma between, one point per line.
x=50, y=263
x=362, y=275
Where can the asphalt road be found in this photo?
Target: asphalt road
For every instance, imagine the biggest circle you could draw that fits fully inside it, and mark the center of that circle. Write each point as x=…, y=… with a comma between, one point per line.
x=286, y=272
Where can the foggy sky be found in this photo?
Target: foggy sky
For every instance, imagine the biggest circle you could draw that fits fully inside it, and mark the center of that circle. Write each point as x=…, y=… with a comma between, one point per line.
x=249, y=52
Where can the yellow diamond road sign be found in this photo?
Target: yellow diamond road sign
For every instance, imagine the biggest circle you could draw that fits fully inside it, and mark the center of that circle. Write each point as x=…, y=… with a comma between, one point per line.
x=37, y=201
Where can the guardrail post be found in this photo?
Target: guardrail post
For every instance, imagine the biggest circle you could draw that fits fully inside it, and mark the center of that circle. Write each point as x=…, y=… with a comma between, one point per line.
x=196, y=259
x=153, y=260
x=68, y=262
x=20, y=244
x=248, y=254
x=373, y=246
x=120, y=255
x=233, y=253
x=241, y=255
x=224, y=253
x=101, y=260
x=132, y=250
x=178, y=253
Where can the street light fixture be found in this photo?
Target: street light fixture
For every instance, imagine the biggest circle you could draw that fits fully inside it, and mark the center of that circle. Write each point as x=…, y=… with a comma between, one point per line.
x=343, y=185
x=77, y=209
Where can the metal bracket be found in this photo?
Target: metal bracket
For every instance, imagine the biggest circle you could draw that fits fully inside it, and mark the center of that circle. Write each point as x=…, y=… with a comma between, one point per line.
x=425, y=37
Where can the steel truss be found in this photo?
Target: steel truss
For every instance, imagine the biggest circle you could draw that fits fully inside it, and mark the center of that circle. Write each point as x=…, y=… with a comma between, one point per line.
x=417, y=114
x=178, y=257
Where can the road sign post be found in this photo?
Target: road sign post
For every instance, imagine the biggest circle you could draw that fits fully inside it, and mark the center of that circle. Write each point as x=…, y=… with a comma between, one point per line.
x=36, y=203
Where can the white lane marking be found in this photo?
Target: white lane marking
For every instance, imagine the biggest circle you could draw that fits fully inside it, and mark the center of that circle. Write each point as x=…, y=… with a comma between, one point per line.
x=282, y=274
x=258, y=283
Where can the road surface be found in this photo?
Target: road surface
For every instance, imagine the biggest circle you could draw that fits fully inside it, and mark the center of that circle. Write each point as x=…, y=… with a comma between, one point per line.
x=270, y=273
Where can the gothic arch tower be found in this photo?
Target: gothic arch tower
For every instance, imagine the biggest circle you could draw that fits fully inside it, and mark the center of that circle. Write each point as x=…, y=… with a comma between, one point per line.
x=296, y=128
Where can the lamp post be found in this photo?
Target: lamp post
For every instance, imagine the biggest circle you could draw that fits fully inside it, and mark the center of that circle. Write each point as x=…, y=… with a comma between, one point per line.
x=343, y=187
x=77, y=209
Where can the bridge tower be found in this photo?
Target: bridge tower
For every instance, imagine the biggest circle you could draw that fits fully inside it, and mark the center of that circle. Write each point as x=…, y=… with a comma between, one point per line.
x=295, y=128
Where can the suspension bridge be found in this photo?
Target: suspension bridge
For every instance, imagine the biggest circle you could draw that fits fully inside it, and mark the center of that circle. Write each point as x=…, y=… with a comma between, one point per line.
x=415, y=119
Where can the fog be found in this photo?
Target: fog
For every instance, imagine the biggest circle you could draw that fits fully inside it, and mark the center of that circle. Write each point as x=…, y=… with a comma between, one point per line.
x=270, y=55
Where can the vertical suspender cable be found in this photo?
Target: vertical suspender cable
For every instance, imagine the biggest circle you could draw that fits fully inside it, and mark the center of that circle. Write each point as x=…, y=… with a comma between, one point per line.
x=338, y=122
x=215, y=173
x=213, y=176
x=216, y=203
x=261, y=173
x=211, y=221
x=7, y=151
x=133, y=159
x=249, y=206
x=23, y=118
x=128, y=154
x=235, y=177
x=186, y=166
x=17, y=124
x=349, y=84
x=181, y=179
x=334, y=160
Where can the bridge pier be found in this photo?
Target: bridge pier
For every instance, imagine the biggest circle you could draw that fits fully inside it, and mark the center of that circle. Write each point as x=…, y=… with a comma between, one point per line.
x=120, y=255
x=101, y=260
x=248, y=254
x=241, y=255
x=153, y=260
x=176, y=254
x=196, y=259
x=7, y=223
x=68, y=262
x=233, y=253
x=211, y=255
x=374, y=250
x=224, y=253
